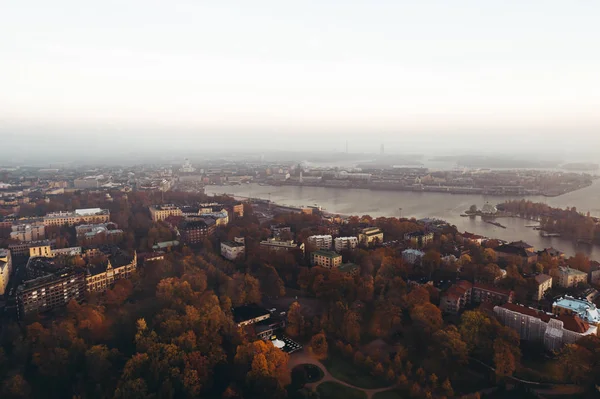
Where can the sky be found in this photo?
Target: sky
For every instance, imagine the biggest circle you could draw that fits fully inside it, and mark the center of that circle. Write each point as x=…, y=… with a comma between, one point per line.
x=274, y=74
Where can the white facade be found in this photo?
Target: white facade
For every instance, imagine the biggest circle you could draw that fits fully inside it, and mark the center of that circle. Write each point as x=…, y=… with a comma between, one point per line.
x=321, y=242
x=342, y=243
x=5, y=269
x=232, y=250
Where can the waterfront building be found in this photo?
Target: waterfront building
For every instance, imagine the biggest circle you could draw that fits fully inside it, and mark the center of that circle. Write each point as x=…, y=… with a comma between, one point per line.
x=5, y=269
x=552, y=330
x=370, y=236
x=161, y=212
x=345, y=243
x=91, y=215
x=321, y=241
x=568, y=277
x=327, y=259
x=275, y=244
x=232, y=250
x=517, y=249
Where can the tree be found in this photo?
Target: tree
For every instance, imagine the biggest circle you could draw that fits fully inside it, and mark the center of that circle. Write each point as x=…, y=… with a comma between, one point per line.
x=295, y=320
x=318, y=346
x=15, y=387
x=473, y=208
x=427, y=318
x=504, y=359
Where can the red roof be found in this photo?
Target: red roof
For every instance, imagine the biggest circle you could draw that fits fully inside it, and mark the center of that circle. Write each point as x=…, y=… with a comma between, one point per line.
x=491, y=288
x=570, y=322
x=458, y=290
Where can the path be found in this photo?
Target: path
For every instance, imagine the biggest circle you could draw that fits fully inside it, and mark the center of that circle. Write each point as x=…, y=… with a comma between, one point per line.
x=303, y=357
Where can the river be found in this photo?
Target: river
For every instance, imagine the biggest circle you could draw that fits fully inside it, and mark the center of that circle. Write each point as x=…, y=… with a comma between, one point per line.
x=435, y=205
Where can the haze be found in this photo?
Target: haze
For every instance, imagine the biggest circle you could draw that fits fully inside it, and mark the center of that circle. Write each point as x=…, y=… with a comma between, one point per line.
x=192, y=76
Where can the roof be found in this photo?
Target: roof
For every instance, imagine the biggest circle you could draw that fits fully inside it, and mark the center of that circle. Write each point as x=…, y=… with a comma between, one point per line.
x=232, y=244
x=413, y=251
x=518, y=250
x=371, y=230
x=570, y=322
x=166, y=244
x=571, y=272
x=584, y=309
x=542, y=278
x=327, y=254
x=90, y=211
x=418, y=234
x=348, y=267
x=491, y=288
x=248, y=312
x=458, y=290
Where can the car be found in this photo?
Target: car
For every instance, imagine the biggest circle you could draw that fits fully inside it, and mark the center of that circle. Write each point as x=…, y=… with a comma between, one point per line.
x=282, y=314
x=272, y=310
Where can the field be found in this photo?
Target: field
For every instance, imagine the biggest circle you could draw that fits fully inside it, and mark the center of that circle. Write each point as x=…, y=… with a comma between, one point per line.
x=346, y=371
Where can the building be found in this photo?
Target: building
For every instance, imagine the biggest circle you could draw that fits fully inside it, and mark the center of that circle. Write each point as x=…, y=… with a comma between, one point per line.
x=568, y=277
x=86, y=183
x=454, y=300
x=345, y=243
x=89, y=232
x=474, y=238
x=5, y=269
x=161, y=212
x=194, y=231
x=22, y=248
x=91, y=215
x=586, y=311
x=544, y=283
x=44, y=250
x=594, y=274
x=518, y=249
x=249, y=314
x=238, y=210
x=418, y=239
x=274, y=244
x=279, y=230
x=50, y=291
x=28, y=232
x=412, y=256
x=370, y=236
x=327, y=259
x=321, y=242
x=232, y=250
x=533, y=325
x=490, y=294
x=164, y=245
x=267, y=328
x=118, y=265
x=552, y=253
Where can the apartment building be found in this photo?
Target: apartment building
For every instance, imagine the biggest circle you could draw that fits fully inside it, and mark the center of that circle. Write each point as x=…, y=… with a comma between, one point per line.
x=50, y=291
x=544, y=283
x=90, y=215
x=86, y=233
x=370, y=236
x=5, y=269
x=568, y=277
x=418, y=239
x=345, y=243
x=161, y=212
x=320, y=241
x=194, y=231
x=327, y=259
x=23, y=248
x=28, y=232
x=118, y=265
x=275, y=244
x=533, y=325
x=454, y=300
x=232, y=250
x=491, y=294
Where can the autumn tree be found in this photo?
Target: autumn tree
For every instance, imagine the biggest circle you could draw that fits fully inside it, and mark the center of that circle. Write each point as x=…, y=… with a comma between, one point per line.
x=318, y=346
x=295, y=320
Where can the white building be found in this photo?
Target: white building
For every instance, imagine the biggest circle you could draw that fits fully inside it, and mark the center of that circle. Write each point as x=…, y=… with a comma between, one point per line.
x=279, y=245
x=532, y=325
x=568, y=277
x=412, y=256
x=345, y=243
x=321, y=242
x=232, y=249
x=5, y=269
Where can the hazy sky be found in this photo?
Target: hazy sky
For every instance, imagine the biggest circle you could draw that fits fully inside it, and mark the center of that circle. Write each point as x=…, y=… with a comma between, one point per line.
x=378, y=70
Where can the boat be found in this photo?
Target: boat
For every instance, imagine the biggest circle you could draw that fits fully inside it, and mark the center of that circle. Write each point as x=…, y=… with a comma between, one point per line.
x=495, y=224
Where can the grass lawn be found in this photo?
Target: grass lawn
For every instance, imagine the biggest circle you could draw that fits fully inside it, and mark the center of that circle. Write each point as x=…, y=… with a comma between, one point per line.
x=333, y=390
x=346, y=371
x=391, y=394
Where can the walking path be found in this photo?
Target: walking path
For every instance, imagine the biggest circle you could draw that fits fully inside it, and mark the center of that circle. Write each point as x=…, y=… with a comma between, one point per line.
x=303, y=357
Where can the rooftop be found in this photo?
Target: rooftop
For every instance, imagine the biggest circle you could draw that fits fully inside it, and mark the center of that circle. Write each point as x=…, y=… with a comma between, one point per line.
x=570, y=322
x=327, y=254
x=348, y=267
x=584, y=309
x=491, y=288
x=571, y=272
x=542, y=278
x=248, y=312
x=232, y=244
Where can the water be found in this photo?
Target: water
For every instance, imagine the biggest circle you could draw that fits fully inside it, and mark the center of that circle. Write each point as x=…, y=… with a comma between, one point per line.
x=436, y=205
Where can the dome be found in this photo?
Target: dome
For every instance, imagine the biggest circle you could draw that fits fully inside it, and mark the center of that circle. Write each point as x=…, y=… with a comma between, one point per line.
x=278, y=343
